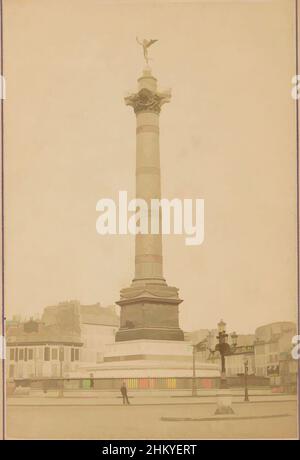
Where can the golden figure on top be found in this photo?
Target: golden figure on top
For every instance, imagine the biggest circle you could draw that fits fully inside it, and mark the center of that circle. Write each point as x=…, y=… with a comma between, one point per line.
x=146, y=44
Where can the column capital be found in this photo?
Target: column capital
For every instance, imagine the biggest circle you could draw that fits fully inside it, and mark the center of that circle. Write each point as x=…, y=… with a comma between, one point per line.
x=146, y=100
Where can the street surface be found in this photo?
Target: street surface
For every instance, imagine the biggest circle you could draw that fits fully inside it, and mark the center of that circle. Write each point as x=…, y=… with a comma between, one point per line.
x=91, y=418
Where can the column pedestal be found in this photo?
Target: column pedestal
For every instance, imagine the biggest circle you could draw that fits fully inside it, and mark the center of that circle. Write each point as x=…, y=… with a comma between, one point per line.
x=149, y=311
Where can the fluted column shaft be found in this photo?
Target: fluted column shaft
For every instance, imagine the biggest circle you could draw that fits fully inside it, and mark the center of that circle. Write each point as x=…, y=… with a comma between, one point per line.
x=148, y=248
x=147, y=103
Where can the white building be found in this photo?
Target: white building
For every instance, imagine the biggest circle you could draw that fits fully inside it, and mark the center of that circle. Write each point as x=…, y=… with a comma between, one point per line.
x=98, y=328
x=272, y=342
x=68, y=335
x=34, y=350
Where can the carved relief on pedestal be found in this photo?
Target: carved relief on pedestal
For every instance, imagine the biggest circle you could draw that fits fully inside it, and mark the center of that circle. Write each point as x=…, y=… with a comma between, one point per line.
x=148, y=290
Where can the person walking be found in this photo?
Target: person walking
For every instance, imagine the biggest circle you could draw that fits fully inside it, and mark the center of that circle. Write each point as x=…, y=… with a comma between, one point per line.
x=45, y=386
x=124, y=393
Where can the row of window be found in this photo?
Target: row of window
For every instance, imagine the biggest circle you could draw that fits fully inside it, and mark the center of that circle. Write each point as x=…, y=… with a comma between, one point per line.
x=46, y=354
x=20, y=354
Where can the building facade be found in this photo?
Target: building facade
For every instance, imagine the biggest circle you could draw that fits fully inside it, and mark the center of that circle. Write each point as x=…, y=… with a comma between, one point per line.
x=68, y=335
x=34, y=350
x=267, y=353
x=236, y=360
x=273, y=359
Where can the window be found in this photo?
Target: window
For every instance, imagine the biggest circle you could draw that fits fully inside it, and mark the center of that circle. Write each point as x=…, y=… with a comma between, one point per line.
x=12, y=354
x=67, y=354
x=47, y=354
x=30, y=354
x=21, y=354
x=54, y=354
x=61, y=353
x=25, y=354
x=74, y=354
x=20, y=370
x=11, y=371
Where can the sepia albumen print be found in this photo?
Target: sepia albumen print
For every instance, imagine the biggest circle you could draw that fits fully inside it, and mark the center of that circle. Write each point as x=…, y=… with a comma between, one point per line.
x=149, y=219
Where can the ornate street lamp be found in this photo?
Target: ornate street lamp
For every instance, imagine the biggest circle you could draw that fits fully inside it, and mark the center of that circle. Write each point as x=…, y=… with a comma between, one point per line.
x=246, y=398
x=234, y=338
x=201, y=346
x=61, y=381
x=224, y=397
x=194, y=382
x=222, y=327
x=224, y=349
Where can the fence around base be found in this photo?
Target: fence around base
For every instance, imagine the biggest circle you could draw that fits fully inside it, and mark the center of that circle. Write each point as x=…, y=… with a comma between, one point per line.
x=159, y=383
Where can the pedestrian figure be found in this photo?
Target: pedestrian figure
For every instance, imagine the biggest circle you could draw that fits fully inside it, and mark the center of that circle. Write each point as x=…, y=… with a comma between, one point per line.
x=124, y=393
x=45, y=386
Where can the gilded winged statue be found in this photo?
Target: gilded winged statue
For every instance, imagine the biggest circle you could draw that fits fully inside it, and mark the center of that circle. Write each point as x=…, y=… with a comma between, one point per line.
x=146, y=44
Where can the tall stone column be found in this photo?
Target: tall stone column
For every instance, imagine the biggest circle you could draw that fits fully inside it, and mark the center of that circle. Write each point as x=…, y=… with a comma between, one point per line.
x=147, y=105
x=149, y=308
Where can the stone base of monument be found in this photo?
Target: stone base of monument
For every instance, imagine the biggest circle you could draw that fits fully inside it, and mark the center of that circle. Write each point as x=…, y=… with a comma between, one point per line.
x=224, y=401
x=148, y=359
x=149, y=311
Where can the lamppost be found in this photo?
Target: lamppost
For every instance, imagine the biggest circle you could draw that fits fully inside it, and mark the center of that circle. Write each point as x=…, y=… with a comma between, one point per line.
x=224, y=397
x=224, y=349
x=246, y=399
x=61, y=382
x=194, y=385
x=196, y=348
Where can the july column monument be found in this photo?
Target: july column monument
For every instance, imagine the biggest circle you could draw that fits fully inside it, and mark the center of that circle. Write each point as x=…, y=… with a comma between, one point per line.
x=149, y=307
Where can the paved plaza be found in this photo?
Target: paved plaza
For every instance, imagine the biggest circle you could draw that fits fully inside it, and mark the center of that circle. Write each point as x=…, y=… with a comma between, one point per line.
x=148, y=418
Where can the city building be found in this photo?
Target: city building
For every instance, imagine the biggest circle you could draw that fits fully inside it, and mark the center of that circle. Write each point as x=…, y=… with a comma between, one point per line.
x=67, y=335
x=267, y=354
x=235, y=361
x=34, y=350
x=241, y=351
x=273, y=346
x=98, y=326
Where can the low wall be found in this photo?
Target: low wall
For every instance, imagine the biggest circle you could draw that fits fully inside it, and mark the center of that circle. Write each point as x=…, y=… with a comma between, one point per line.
x=176, y=383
